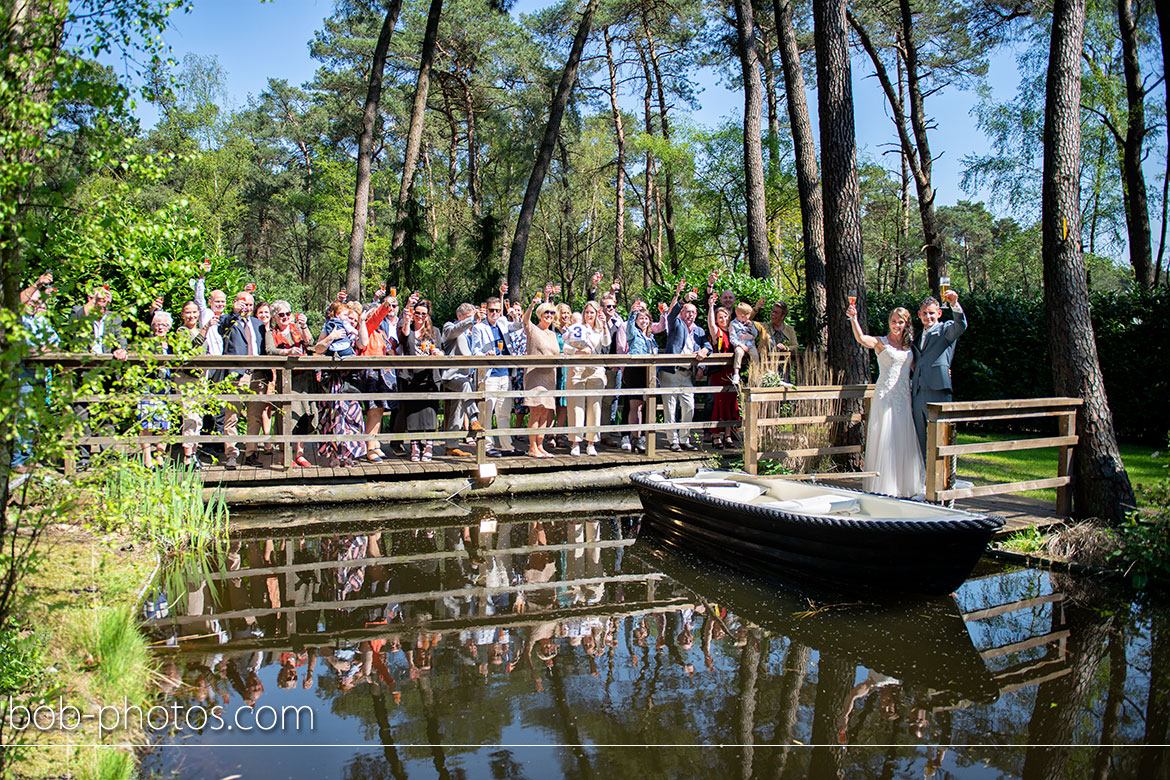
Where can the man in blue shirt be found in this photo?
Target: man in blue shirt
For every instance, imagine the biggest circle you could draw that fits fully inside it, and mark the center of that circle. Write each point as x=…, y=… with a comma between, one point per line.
x=491, y=337
x=684, y=337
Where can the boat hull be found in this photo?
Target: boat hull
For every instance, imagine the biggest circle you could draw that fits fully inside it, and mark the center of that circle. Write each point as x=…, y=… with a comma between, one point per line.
x=928, y=557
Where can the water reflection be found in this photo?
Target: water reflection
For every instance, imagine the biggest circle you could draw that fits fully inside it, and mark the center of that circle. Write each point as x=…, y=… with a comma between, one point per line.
x=445, y=646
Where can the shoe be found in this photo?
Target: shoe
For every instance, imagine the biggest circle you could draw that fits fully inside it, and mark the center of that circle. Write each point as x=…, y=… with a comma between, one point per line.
x=675, y=447
x=373, y=457
x=626, y=444
x=591, y=450
x=689, y=445
x=494, y=453
x=414, y=453
x=640, y=445
x=576, y=451
x=303, y=462
x=193, y=464
x=717, y=443
x=735, y=379
x=458, y=453
x=252, y=460
x=232, y=463
x=475, y=427
x=428, y=452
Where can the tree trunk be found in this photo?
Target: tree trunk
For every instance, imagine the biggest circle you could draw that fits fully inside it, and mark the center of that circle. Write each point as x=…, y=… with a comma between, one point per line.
x=472, y=151
x=414, y=132
x=365, y=157
x=812, y=209
x=753, y=154
x=1137, y=212
x=649, y=194
x=1101, y=487
x=843, y=248
x=916, y=149
x=619, y=228
x=667, y=215
x=544, y=157
x=1164, y=35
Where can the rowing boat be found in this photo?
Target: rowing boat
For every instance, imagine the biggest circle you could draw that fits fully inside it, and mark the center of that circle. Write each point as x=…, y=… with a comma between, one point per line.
x=816, y=534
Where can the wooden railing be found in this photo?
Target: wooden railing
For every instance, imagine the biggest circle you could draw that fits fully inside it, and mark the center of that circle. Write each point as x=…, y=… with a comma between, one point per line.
x=282, y=399
x=940, y=452
x=758, y=400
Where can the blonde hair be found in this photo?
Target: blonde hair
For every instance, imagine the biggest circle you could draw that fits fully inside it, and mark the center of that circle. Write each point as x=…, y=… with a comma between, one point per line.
x=598, y=325
x=542, y=308
x=744, y=309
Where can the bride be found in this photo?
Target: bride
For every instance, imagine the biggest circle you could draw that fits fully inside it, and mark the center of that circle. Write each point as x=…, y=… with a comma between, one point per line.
x=890, y=442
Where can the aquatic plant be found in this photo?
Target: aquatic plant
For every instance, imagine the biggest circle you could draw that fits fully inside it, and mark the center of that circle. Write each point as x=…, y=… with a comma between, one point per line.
x=164, y=507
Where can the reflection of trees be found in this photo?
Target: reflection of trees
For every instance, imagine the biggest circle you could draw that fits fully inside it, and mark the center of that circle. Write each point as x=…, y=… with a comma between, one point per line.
x=1059, y=702
x=1152, y=763
x=1115, y=698
x=834, y=681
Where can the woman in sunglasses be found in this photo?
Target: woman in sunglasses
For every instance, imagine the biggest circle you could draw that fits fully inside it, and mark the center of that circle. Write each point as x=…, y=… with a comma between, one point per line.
x=542, y=340
x=417, y=337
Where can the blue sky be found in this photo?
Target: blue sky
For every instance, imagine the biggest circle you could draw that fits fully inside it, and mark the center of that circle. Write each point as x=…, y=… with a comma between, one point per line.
x=254, y=41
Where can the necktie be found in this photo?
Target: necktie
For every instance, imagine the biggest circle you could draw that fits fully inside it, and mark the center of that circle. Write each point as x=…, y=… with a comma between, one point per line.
x=250, y=338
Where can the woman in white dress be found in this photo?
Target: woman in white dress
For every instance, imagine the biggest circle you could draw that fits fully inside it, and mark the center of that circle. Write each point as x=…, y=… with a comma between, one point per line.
x=890, y=442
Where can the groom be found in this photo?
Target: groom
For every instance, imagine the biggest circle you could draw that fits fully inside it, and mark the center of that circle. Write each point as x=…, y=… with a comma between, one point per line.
x=933, y=352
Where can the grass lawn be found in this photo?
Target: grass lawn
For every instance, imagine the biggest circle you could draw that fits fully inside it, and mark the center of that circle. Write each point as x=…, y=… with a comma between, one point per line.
x=1021, y=465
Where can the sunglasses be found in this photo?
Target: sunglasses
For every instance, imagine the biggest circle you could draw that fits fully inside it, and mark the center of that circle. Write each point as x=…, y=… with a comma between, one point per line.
x=547, y=314
x=495, y=311
x=610, y=306
x=284, y=314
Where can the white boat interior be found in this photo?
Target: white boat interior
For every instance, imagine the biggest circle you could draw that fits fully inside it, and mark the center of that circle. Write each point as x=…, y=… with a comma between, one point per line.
x=808, y=498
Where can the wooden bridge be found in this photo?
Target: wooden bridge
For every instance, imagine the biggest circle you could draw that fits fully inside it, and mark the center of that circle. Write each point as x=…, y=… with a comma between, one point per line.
x=802, y=427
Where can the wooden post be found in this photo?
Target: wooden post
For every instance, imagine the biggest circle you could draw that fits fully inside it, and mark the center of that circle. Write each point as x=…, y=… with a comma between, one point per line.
x=935, y=467
x=650, y=411
x=1066, y=426
x=485, y=418
x=283, y=420
x=751, y=437
x=290, y=578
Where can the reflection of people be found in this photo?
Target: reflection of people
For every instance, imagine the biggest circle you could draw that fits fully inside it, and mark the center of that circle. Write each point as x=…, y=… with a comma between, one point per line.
x=889, y=441
x=886, y=688
x=934, y=351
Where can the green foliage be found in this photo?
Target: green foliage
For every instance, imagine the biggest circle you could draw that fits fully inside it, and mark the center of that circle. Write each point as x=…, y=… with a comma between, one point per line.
x=1028, y=541
x=1145, y=534
x=21, y=662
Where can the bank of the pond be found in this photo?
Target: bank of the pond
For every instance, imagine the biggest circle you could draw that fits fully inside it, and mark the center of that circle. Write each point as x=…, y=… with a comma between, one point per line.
x=75, y=620
x=78, y=621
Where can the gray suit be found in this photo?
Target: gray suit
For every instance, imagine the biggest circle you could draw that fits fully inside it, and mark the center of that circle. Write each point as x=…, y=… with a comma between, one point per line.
x=931, y=381
x=456, y=340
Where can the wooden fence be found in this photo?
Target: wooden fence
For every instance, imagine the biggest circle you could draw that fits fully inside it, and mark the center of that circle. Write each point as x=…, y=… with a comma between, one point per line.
x=846, y=405
x=71, y=365
x=942, y=417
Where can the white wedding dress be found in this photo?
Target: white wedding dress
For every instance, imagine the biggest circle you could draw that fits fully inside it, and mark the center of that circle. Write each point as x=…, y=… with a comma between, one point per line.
x=891, y=445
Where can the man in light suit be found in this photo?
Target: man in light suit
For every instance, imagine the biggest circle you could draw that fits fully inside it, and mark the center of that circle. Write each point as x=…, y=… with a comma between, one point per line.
x=683, y=337
x=456, y=340
x=934, y=350
x=491, y=337
x=242, y=335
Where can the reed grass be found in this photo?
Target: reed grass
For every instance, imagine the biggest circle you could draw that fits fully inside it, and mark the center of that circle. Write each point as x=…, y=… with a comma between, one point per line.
x=109, y=642
x=165, y=507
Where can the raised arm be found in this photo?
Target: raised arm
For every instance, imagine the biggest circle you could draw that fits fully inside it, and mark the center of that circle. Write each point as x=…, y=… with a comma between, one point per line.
x=869, y=342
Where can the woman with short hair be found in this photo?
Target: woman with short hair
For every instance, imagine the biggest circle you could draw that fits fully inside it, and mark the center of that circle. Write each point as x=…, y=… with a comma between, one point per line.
x=417, y=337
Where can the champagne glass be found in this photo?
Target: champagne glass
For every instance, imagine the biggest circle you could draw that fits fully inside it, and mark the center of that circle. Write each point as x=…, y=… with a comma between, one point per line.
x=393, y=292
x=853, y=297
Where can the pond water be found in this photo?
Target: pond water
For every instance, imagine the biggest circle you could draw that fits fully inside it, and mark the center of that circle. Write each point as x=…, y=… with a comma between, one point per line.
x=477, y=643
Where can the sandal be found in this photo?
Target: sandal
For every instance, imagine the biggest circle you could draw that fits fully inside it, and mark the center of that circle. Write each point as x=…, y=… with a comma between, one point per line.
x=414, y=455
x=717, y=443
x=303, y=462
x=373, y=457
x=427, y=452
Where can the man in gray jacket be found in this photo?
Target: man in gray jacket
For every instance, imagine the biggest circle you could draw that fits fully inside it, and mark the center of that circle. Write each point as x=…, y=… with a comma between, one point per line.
x=456, y=340
x=934, y=350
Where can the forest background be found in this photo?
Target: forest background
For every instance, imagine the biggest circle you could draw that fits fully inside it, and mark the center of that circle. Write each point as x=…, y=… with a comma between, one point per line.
x=636, y=186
